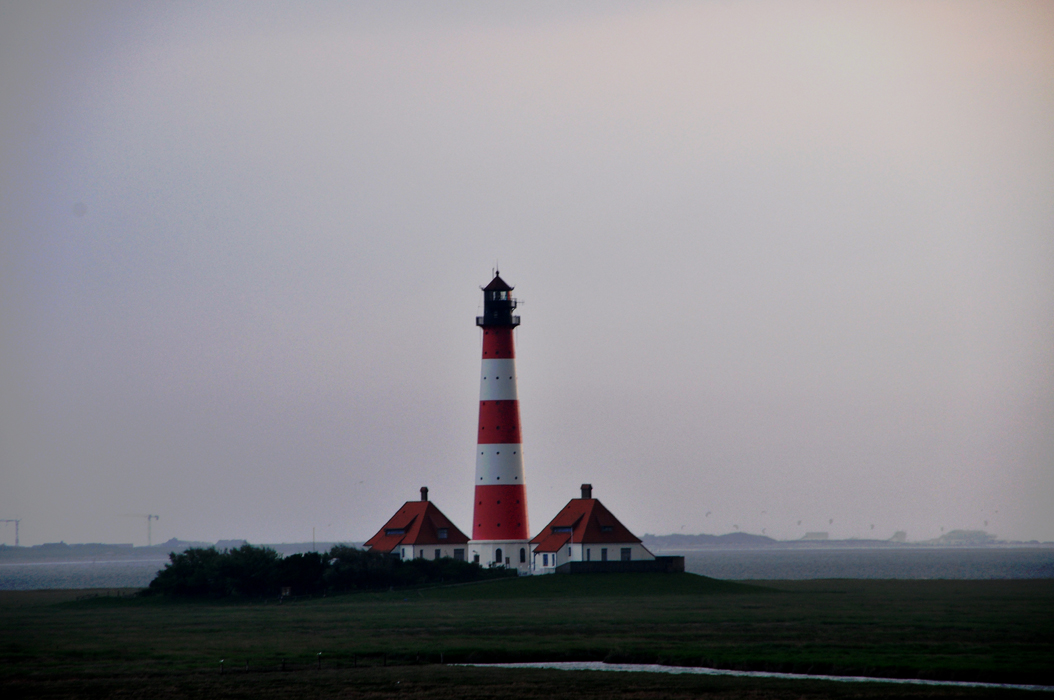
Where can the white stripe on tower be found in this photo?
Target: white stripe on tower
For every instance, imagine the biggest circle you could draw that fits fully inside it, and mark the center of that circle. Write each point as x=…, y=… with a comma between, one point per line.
x=497, y=380
x=499, y=464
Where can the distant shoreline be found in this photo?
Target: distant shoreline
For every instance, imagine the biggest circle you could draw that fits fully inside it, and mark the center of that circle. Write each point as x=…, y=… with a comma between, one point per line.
x=845, y=544
x=60, y=553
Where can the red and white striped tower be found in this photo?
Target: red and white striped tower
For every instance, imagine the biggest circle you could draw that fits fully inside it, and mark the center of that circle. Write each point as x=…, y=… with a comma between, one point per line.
x=500, y=533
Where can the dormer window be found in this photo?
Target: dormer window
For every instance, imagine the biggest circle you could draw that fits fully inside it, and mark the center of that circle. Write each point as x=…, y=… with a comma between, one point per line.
x=562, y=529
x=388, y=532
x=442, y=533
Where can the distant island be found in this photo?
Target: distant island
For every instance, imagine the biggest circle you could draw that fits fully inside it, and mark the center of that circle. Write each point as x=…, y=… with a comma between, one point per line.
x=743, y=540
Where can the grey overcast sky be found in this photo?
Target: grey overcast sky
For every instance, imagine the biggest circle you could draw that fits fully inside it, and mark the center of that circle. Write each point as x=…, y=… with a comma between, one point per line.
x=787, y=263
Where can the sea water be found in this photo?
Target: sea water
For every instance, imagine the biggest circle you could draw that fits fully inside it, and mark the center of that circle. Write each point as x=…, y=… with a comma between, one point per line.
x=29, y=576
x=884, y=563
x=743, y=564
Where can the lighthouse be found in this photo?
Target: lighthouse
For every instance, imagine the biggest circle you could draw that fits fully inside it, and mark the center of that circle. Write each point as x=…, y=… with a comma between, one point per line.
x=499, y=523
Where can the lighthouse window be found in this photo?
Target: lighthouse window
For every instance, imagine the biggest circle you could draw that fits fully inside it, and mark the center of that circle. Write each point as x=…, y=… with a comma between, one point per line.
x=497, y=555
x=523, y=555
x=503, y=295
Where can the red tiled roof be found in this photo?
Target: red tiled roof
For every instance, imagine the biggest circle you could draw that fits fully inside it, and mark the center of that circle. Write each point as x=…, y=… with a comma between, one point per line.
x=417, y=523
x=582, y=521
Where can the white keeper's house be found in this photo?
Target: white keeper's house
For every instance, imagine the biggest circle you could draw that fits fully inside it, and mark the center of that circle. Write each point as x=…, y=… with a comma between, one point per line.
x=586, y=531
x=419, y=530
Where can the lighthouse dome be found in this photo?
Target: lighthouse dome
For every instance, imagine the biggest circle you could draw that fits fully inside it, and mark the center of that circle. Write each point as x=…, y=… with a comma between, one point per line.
x=497, y=285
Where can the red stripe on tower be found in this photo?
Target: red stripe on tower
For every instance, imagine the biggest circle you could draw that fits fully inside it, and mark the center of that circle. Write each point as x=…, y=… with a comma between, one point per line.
x=499, y=524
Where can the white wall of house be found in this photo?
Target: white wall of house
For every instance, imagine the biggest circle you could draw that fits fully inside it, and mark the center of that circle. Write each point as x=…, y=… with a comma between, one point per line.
x=613, y=552
x=546, y=563
x=428, y=551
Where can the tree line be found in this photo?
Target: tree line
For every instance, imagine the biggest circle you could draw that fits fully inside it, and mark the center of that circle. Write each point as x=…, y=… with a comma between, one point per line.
x=261, y=572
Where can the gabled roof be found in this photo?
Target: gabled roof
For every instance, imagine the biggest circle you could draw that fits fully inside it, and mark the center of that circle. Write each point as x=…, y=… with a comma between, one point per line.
x=583, y=521
x=497, y=285
x=416, y=523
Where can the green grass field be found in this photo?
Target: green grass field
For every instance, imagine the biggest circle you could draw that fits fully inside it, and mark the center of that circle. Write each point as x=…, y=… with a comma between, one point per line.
x=385, y=644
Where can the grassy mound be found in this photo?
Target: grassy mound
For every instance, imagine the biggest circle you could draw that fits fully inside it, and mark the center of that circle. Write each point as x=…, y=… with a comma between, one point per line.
x=594, y=586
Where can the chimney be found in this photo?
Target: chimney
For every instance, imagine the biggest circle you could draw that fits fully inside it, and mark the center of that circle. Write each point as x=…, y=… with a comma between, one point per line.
x=424, y=493
x=587, y=490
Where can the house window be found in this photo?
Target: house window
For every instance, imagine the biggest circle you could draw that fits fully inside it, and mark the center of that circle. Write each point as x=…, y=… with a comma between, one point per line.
x=568, y=551
x=603, y=554
x=523, y=555
x=475, y=559
x=403, y=554
x=437, y=554
x=626, y=553
x=442, y=533
x=459, y=555
x=545, y=560
x=421, y=554
x=589, y=554
x=497, y=555
x=606, y=528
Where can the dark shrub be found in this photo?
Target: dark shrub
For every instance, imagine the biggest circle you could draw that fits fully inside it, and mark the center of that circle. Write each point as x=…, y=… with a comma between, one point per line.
x=303, y=573
x=256, y=572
